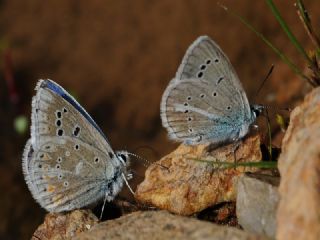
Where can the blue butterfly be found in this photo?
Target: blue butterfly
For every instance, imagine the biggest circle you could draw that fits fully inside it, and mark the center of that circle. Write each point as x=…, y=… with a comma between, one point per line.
x=68, y=162
x=205, y=102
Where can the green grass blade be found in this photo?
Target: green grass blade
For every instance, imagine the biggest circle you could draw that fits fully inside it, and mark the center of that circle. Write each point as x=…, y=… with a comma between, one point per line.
x=283, y=57
x=261, y=164
x=287, y=30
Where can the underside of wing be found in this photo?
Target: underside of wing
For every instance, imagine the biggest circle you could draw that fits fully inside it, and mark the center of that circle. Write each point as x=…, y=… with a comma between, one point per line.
x=205, y=60
x=64, y=174
x=68, y=163
x=194, y=112
x=56, y=113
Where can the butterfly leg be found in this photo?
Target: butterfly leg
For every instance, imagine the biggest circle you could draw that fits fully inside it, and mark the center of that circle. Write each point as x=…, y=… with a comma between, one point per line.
x=126, y=181
x=103, y=205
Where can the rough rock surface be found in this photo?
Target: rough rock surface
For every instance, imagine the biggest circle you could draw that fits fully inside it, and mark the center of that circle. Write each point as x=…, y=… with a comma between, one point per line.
x=257, y=202
x=221, y=214
x=181, y=184
x=162, y=225
x=65, y=226
x=299, y=164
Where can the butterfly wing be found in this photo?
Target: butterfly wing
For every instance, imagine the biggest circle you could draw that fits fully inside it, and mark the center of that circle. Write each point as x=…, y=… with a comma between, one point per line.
x=67, y=163
x=206, y=70
x=194, y=113
x=205, y=60
x=53, y=109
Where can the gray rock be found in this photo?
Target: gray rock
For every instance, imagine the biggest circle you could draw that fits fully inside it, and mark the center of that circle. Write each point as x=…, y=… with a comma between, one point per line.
x=257, y=201
x=163, y=225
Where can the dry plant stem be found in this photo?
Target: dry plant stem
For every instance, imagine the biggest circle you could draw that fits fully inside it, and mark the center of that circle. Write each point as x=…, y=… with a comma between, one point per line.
x=306, y=21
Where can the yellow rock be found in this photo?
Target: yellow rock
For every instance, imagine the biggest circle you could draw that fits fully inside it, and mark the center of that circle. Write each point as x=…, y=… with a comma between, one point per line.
x=182, y=184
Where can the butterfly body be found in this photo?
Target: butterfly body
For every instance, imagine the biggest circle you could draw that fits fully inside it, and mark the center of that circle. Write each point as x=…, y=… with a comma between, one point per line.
x=205, y=102
x=68, y=162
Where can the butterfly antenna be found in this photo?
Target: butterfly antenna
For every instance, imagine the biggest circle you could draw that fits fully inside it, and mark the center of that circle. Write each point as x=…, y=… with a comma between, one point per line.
x=155, y=153
x=264, y=81
x=266, y=107
x=146, y=162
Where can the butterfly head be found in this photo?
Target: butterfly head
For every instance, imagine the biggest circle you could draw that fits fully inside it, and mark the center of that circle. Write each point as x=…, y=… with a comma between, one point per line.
x=256, y=109
x=123, y=157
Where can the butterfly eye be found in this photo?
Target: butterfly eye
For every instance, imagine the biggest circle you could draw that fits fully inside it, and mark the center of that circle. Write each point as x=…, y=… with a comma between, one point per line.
x=123, y=157
x=256, y=112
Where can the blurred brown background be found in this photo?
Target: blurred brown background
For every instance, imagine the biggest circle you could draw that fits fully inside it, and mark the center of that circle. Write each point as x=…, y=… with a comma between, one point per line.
x=117, y=57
